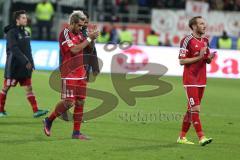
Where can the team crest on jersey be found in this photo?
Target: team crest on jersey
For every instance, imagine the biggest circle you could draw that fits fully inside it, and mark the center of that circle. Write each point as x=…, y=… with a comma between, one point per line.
x=20, y=36
x=74, y=39
x=27, y=34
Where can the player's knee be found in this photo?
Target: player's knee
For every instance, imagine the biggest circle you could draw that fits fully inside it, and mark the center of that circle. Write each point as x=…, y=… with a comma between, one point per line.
x=68, y=103
x=28, y=89
x=5, y=89
x=196, y=108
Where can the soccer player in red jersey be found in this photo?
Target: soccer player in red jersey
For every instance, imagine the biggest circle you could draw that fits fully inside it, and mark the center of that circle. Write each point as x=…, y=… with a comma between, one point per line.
x=194, y=54
x=73, y=73
x=19, y=63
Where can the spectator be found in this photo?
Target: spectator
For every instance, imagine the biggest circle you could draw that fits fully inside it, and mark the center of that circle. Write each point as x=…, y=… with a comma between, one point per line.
x=238, y=42
x=237, y=5
x=180, y=4
x=44, y=13
x=104, y=36
x=124, y=9
x=125, y=35
x=224, y=42
x=144, y=3
x=157, y=4
x=113, y=34
x=167, y=42
x=228, y=5
x=109, y=8
x=216, y=5
x=152, y=39
x=133, y=10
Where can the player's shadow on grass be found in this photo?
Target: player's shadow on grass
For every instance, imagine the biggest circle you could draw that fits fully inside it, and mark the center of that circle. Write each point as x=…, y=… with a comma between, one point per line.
x=25, y=140
x=18, y=123
x=158, y=143
x=146, y=147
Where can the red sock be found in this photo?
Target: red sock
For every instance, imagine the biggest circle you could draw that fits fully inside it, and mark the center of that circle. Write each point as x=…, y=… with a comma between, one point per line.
x=3, y=96
x=32, y=100
x=185, y=124
x=52, y=116
x=60, y=108
x=77, y=117
x=197, y=124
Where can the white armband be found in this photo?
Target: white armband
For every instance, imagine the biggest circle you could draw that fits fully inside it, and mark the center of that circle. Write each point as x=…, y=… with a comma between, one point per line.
x=89, y=39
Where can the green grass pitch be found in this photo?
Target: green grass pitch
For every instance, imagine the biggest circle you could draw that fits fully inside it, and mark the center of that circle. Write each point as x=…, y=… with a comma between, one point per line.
x=119, y=134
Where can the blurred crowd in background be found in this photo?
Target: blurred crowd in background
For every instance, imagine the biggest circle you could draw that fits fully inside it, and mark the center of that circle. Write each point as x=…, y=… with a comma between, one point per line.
x=45, y=14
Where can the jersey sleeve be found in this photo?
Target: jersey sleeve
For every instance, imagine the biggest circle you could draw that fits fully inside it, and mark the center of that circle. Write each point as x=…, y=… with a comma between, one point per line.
x=183, y=52
x=65, y=41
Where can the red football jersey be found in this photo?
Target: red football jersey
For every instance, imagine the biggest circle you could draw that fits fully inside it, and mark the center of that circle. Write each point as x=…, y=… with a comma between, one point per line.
x=71, y=65
x=194, y=74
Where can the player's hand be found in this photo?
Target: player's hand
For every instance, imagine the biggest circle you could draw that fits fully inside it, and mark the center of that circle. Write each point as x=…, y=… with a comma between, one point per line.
x=202, y=52
x=212, y=55
x=94, y=28
x=29, y=66
x=93, y=35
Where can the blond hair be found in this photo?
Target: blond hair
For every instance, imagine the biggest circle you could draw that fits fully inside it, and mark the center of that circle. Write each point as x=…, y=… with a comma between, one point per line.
x=76, y=16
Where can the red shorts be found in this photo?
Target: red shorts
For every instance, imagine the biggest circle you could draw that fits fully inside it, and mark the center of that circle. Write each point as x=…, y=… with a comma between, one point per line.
x=14, y=82
x=194, y=96
x=73, y=89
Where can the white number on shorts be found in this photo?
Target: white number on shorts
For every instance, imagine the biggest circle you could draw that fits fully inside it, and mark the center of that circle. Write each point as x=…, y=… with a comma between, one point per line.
x=70, y=93
x=191, y=101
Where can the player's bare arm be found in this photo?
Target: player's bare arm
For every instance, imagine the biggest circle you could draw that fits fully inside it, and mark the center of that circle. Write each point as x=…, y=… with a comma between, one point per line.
x=210, y=57
x=194, y=59
x=92, y=44
x=77, y=48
